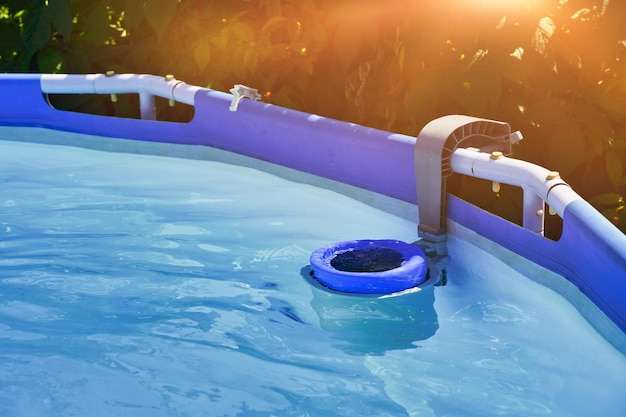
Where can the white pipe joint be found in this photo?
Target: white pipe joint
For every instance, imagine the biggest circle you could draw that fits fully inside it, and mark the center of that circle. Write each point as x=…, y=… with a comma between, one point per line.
x=539, y=184
x=146, y=86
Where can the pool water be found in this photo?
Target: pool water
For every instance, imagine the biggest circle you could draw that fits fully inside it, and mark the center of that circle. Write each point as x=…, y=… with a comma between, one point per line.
x=135, y=285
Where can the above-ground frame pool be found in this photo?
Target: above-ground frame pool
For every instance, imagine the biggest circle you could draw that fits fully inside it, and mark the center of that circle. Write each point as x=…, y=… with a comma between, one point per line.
x=162, y=269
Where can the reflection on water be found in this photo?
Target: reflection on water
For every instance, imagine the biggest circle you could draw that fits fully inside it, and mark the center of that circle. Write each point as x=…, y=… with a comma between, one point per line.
x=368, y=324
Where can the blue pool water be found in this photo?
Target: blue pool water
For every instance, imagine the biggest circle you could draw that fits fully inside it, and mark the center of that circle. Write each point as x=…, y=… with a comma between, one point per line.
x=150, y=286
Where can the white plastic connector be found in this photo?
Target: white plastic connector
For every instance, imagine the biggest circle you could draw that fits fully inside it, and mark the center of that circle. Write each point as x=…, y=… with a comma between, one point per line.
x=168, y=78
x=109, y=74
x=515, y=137
x=540, y=185
x=239, y=92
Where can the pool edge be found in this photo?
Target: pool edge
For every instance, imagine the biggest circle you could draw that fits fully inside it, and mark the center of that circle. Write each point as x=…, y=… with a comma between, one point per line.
x=596, y=318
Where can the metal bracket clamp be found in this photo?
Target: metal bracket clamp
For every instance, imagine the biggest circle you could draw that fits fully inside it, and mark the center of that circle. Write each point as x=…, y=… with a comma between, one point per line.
x=239, y=92
x=434, y=147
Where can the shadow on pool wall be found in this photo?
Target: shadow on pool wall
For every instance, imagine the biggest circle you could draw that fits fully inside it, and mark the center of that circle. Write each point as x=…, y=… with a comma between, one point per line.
x=369, y=325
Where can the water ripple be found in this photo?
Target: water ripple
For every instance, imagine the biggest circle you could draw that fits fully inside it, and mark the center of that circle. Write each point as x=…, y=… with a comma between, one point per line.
x=491, y=313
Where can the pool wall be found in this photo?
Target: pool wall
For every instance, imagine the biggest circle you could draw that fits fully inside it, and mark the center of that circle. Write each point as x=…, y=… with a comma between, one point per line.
x=317, y=145
x=591, y=253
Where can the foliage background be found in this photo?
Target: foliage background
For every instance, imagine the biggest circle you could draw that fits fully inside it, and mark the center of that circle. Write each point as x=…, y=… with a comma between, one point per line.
x=553, y=69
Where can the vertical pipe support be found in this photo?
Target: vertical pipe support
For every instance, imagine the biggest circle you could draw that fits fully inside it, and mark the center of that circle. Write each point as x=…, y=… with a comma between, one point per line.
x=147, y=106
x=534, y=212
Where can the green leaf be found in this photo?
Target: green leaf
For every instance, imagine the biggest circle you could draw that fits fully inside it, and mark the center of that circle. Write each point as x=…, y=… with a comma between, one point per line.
x=513, y=69
x=596, y=125
x=614, y=168
x=10, y=39
x=272, y=24
x=423, y=97
x=272, y=7
x=142, y=50
x=36, y=31
x=251, y=59
x=348, y=43
x=478, y=90
x=612, y=103
x=566, y=147
x=243, y=31
x=547, y=111
x=119, y=5
x=133, y=14
x=307, y=66
x=97, y=25
x=50, y=61
x=607, y=199
x=194, y=24
x=15, y=6
x=221, y=41
x=545, y=29
x=400, y=54
x=567, y=52
x=61, y=16
x=202, y=54
x=159, y=14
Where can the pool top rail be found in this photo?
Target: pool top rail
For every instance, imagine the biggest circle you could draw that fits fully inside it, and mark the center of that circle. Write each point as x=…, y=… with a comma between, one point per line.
x=591, y=253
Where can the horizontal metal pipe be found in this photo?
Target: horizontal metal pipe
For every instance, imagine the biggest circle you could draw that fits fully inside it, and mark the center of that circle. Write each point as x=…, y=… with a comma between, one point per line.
x=166, y=87
x=547, y=184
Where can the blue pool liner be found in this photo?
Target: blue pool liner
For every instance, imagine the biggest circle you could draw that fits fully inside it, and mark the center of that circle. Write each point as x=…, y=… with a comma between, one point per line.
x=591, y=253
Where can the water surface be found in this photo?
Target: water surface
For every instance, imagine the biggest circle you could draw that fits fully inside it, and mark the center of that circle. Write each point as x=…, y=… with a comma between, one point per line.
x=150, y=286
